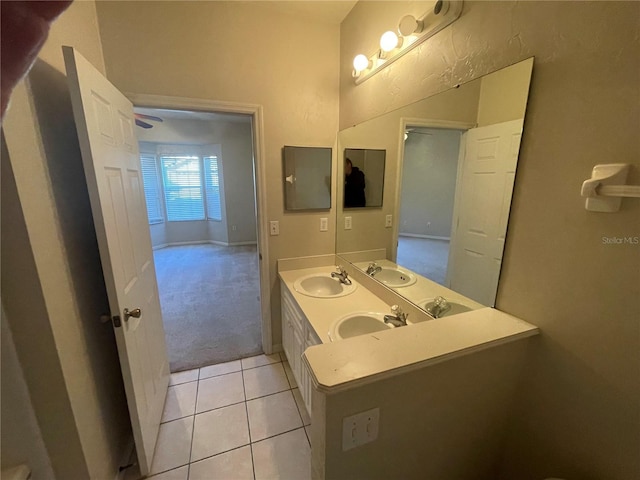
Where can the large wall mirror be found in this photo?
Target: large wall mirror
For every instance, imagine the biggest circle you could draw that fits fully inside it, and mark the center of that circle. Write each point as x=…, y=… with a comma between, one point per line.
x=450, y=169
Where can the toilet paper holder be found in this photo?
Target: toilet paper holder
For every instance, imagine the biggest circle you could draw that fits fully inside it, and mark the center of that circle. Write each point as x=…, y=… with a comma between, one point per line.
x=607, y=186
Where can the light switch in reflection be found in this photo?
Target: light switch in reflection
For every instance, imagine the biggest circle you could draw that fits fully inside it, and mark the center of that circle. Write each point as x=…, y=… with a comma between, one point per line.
x=388, y=221
x=347, y=223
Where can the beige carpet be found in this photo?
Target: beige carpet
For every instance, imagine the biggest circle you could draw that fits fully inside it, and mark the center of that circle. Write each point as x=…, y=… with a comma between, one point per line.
x=210, y=303
x=425, y=256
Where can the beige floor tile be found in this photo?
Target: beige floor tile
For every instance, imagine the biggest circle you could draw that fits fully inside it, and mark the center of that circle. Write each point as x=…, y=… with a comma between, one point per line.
x=265, y=380
x=180, y=401
x=177, y=474
x=216, y=392
x=220, y=369
x=219, y=430
x=173, y=445
x=271, y=415
x=236, y=464
x=285, y=456
x=301, y=406
x=260, y=360
x=183, y=377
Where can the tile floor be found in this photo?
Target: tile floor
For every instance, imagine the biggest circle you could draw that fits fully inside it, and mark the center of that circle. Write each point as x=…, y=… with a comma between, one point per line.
x=238, y=420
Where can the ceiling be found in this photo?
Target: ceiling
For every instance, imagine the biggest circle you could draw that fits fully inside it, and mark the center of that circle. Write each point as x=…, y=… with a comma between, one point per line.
x=326, y=11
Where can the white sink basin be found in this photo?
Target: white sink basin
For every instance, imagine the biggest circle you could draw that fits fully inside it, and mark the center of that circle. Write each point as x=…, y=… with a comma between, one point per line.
x=322, y=286
x=357, y=323
x=395, y=278
x=455, y=307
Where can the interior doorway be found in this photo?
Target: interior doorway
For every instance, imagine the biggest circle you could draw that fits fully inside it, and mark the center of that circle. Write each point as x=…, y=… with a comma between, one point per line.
x=427, y=195
x=200, y=191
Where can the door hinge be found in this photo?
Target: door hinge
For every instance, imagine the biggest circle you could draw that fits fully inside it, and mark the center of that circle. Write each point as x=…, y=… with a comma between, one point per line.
x=116, y=321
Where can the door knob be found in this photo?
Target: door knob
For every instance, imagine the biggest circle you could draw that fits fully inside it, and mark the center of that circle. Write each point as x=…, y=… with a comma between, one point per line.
x=135, y=313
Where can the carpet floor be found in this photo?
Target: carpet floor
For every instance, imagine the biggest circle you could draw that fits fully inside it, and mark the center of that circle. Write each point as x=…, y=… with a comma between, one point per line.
x=425, y=256
x=210, y=303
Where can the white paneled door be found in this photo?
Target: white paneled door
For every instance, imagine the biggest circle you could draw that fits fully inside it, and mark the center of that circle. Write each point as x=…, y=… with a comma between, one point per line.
x=483, y=200
x=105, y=122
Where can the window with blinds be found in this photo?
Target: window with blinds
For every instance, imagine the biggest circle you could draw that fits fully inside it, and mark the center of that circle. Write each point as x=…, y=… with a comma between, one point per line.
x=212, y=188
x=152, y=188
x=183, y=192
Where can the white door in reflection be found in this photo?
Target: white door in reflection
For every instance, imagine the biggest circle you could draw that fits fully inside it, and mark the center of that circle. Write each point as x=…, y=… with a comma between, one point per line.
x=481, y=210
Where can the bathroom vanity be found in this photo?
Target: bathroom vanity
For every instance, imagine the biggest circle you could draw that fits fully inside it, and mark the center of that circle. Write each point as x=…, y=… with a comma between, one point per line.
x=427, y=382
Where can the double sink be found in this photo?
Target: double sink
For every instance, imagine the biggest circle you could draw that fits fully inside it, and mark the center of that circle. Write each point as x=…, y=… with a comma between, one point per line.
x=360, y=322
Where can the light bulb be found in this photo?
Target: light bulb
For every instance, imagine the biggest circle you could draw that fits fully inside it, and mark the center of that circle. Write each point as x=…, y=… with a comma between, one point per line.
x=360, y=63
x=388, y=41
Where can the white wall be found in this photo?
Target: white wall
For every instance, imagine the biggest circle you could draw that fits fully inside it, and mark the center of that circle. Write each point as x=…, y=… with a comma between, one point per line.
x=238, y=225
x=577, y=414
x=22, y=441
x=249, y=52
x=53, y=290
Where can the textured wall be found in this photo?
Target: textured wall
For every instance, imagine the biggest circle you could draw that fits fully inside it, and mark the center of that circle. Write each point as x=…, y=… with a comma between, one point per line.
x=578, y=412
x=246, y=52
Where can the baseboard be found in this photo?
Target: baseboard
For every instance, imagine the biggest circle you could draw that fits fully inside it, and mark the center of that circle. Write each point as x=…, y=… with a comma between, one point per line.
x=428, y=237
x=202, y=242
x=231, y=244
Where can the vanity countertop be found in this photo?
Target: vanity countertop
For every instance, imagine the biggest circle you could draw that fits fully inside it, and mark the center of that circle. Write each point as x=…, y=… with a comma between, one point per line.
x=322, y=312
x=335, y=366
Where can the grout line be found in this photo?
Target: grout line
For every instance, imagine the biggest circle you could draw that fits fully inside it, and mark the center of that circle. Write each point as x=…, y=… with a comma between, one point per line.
x=219, y=375
x=193, y=429
x=258, y=366
x=246, y=409
x=297, y=407
x=278, y=434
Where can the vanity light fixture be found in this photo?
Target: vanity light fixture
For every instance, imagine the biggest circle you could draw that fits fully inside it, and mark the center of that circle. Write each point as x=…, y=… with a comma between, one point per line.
x=389, y=41
x=413, y=31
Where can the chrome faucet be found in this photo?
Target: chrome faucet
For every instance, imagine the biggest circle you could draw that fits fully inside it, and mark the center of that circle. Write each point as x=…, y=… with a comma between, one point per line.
x=342, y=275
x=398, y=319
x=373, y=268
x=438, y=307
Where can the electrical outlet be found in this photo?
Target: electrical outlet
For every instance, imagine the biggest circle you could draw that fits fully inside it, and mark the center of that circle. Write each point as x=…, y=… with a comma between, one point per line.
x=388, y=221
x=233, y=228
x=324, y=224
x=274, y=227
x=347, y=223
x=360, y=428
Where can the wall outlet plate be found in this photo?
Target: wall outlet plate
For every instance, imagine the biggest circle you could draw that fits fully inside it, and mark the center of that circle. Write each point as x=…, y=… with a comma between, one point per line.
x=324, y=224
x=274, y=227
x=347, y=223
x=360, y=428
x=388, y=221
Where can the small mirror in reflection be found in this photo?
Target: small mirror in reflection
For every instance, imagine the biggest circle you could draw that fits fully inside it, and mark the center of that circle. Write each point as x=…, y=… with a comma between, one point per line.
x=363, y=177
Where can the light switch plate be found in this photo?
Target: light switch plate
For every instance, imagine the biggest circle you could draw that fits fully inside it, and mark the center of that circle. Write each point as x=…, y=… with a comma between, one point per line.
x=347, y=223
x=388, y=221
x=360, y=428
x=324, y=224
x=274, y=227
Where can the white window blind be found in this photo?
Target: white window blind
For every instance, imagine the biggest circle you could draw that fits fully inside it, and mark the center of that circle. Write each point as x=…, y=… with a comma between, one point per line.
x=212, y=187
x=151, y=183
x=182, y=187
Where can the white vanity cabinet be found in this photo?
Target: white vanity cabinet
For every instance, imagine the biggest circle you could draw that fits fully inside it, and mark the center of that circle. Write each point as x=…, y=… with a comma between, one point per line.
x=297, y=336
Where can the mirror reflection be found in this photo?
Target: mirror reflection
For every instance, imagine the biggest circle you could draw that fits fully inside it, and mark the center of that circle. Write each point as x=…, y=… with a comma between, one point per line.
x=363, y=177
x=447, y=192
